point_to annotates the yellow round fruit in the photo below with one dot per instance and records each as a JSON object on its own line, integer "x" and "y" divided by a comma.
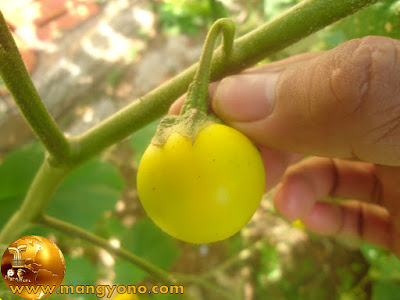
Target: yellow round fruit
{"x": 204, "y": 191}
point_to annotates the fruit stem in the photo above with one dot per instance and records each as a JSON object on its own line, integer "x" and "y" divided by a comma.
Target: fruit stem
{"x": 198, "y": 95}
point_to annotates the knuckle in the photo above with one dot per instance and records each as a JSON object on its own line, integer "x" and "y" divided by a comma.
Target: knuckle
{"x": 364, "y": 72}
{"x": 350, "y": 76}
{"x": 364, "y": 82}
{"x": 381, "y": 115}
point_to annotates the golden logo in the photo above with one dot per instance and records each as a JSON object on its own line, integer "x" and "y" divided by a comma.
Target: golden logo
{"x": 33, "y": 267}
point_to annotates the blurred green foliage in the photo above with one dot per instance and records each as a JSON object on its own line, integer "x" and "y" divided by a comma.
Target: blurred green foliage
{"x": 148, "y": 241}
{"x": 382, "y": 18}
{"x": 86, "y": 194}
{"x": 142, "y": 138}
{"x": 16, "y": 173}
{"x": 384, "y": 272}
{"x": 188, "y": 17}
{"x": 273, "y": 9}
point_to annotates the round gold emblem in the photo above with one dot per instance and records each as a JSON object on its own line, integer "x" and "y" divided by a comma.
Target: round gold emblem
{"x": 32, "y": 267}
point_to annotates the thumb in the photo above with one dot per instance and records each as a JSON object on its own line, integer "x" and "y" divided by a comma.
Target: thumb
{"x": 344, "y": 103}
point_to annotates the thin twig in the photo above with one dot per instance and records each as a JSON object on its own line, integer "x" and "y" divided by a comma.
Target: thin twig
{"x": 83, "y": 234}
{"x": 156, "y": 272}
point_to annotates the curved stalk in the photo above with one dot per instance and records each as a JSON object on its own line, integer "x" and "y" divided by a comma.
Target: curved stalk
{"x": 197, "y": 95}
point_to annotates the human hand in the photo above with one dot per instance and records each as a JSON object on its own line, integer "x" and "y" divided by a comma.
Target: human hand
{"x": 342, "y": 107}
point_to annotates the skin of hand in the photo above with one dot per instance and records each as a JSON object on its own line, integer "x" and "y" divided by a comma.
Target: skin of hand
{"x": 341, "y": 109}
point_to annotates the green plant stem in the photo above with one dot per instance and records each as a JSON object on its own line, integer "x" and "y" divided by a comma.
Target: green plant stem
{"x": 151, "y": 269}
{"x": 302, "y": 20}
{"x": 42, "y": 188}
{"x": 78, "y": 232}
{"x": 197, "y": 95}
{"x": 17, "y": 80}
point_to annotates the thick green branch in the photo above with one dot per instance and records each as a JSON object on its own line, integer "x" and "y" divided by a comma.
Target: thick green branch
{"x": 18, "y": 82}
{"x": 42, "y": 188}
{"x": 302, "y": 20}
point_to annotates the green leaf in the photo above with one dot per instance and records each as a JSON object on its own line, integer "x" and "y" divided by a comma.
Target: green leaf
{"x": 86, "y": 193}
{"x": 234, "y": 245}
{"x": 217, "y": 10}
{"x": 6, "y": 294}
{"x": 141, "y": 139}
{"x": 382, "y": 18}
{"x": 384, "y": 265}
{"x": 386, "y": 290}
{"x": 148, "y": 241}
{"x": 127, "y": 273}
{"x": 3, "y": 248}
{"x": 270, "y": 270}
{"x": 79, "y": 271}
{"x": 16, "y": 174}
{"x": 186, "y": 16}
{"x": 109, "y": 227}
{"x": 273, "y": 9}
{"x": 37, "y": 230}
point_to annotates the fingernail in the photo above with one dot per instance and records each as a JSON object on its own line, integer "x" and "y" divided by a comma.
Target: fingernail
{"x": 245, "y": 98}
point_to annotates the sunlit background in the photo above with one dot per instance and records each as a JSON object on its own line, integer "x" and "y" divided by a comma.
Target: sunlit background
{"x": 90, "y": 58}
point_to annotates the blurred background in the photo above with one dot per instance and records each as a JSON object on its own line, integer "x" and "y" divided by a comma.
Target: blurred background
{"x": 89, "y": 59}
